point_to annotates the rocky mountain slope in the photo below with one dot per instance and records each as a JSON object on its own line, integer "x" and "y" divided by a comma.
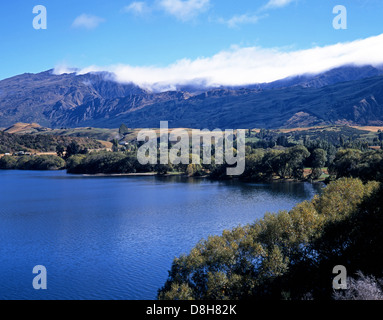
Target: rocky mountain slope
{"x": 352, "y": 95}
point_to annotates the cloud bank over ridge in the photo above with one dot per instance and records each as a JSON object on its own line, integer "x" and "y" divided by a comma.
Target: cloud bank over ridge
{"x": 243, "y": 66}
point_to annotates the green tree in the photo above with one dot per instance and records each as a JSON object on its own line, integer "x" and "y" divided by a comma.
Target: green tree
{"x": 318, "y": 161}
{"x": 115, "y": 145}
{"x": 346, "y": 163}
{"x": 282, "y": 252}
{"x": 123, "y": 130}
{"x": 194, "y": 170}
{"x": 8, "y": 162}
{"x": 291, "y": 162}
{"x": 163, "y": 169}
{"x": 72, "y": 149}
{"x": 60, "y": 150}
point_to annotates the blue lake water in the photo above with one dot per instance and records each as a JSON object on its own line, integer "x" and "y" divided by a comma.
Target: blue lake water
{"x": 116, "y": 237}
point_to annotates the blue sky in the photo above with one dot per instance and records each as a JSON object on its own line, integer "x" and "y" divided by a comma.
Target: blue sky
{"x": 158, "y": 33}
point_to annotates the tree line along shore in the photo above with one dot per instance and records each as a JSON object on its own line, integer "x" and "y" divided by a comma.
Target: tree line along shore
{"x": 324, "y": 156}
{"x": 286, "y": 255}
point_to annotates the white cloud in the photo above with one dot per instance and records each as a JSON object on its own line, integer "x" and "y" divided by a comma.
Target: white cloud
{"x": 62, "y": 68}
{"x": 252, "y": 18}
{"x": 242, "y": 66}
{"x": 138, "y": 7}
{"x": 184, "y": 9}
{"x": 278, "y": 3}
{"x": 237, "y": 20}
{"x": 87, "y": 21}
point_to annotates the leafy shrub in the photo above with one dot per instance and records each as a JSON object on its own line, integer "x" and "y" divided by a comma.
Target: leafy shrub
{"x": 44, "y": 162}
{"x": 281, "y": 253}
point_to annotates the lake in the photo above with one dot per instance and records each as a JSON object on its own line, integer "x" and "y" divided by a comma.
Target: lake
{"x": 116, "y": 237}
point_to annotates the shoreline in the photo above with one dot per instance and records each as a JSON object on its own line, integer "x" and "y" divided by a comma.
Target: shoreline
{"x": 182, "y": 175}
{"x": 114, "y": 174}
{"x": 154, "y": 174}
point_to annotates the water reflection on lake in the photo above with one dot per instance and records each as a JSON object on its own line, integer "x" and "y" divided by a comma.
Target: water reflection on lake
{"x": 115, "y": 237}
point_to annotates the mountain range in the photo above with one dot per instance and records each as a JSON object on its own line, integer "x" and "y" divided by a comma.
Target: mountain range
{"x": 346, "y": 95}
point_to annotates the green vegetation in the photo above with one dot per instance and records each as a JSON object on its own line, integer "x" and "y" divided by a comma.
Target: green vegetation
{"x": 88, "y": 132}
{"x": 10, "y": 143}
{"x": 266, "y": 164}
{"x": 285, "y": 255}
{"x": 44, "y": 162}
{"x": 354, "y": 163}
{"x": 313, "y": 154}
{"x": 288, "y": 255}
{"x": 104, "y": 162}
{"x": 123, "y": 130}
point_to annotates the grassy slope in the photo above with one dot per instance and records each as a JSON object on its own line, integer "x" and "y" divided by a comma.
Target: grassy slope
{"x": 104, "y": 135}
{"x": 35, "y": 143}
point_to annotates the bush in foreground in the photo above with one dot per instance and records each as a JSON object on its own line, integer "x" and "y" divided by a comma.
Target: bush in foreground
{"x": 287, "y": 255}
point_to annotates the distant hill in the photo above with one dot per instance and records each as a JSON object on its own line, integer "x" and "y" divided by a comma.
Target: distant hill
{"x": 333, "y": 76}
{"x": 346, "y": 95}
{"x": 355, "y": 103}
{"x": 24, "y": 128}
